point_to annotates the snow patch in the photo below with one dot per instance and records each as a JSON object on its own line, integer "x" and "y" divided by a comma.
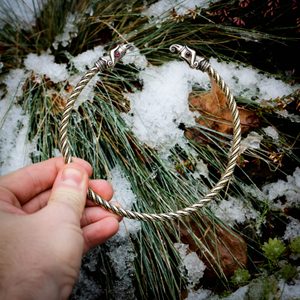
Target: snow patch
{"x": 239, "y": 294}
{"x": 70, "y": 31}
{"x": 56, "y": 152}
{"x": 13, "y": 81}
{"x": 201, "y": 169}
{"x": 122, "y": 188}
{"x": 271, "y": 132}
{"x": 249, "y": 83}
{"x": 251, "y": 141}
{"x": 124, "y": 196}
{"x": 14, "y": 146}
{"x": 44, "y": 65}
{"x": 122, "y": 258}
{"x": 121, "y": 252}
{"x": 87, "y": 59}
{"x": 233, "y": 211}
{"x": 292, "y": 229}
{"x": 289, "y": 291}
{"x": 160, "y": 10}
{"x": 133, "y": 56}
{"x": 292, "y": 117}
{"x": 191, "y": 263}
{"x": 162, "y": 105}
{"x": 82, "y": 62}
{"x": 200, "y": 294}
{"x": 290, "y": 189}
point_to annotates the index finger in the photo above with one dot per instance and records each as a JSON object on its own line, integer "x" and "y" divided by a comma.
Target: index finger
{"x": 32, "y": 180}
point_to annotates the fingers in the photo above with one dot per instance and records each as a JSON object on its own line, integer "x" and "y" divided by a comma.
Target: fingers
{"x": 37, "y": 203}
{"x": 101, "y": 187}
{"x": 97, "y": 233}
{"x": 98, "y": 224}
{"x": 9, "y": 203}
{"x": 68, "y": 196}
{"x": 94, "y": 214}
{"x": 8, "y": 197}
{"x": 30, "y": 181}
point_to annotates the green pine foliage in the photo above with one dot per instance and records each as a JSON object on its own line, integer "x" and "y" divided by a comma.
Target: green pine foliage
{"x": 100, "y": 135}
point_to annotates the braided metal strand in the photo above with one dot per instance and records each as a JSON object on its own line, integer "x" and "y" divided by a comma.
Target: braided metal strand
{"x": 64, "y": 144}
{"x": 195, "y": 62}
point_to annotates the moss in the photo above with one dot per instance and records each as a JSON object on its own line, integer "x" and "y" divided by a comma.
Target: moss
{"x": 288, "y": 272}
{"x": 240, "y": 277}
{"x": 273, "y": 249}
{"x": 295, "y": 245}
{"x": 263, "y": 288}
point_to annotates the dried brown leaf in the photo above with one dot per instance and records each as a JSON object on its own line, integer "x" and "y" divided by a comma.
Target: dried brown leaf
{"x": 215, "y": 113}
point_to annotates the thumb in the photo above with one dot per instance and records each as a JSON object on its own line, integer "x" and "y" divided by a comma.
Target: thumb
{"x": 68, "y": 196}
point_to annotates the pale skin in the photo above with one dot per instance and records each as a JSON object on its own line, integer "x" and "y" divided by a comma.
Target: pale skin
{"x": 46, "y": 225}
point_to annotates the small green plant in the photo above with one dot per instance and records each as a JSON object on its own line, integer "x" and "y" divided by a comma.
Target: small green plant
{"x": 295, "y": 245}
{"x": 264, "y": 287}
{"x": 288, "y": 272}
{"x": 273, "y": 250}
{"x": 240, "y": 277}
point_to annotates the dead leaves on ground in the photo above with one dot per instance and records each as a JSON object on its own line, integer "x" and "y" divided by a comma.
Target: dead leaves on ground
{"x": 215, "y": 113}
{"x": 221, "y": 246}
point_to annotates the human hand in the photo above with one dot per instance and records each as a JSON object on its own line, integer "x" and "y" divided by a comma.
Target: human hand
{"x": 46, "y": 226}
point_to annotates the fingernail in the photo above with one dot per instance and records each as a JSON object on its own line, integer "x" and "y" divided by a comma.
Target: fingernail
{"x": 72, "y": 177}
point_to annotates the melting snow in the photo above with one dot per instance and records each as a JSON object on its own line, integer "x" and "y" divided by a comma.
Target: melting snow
{"x": 82, "y": 62}
{"x": 201, "y": 169}
{"x": 160, "y": 10}
{"x": 124, "y": 196}
{"x": 133, "y": 56}
{"x": 122, "y": 258}
{"x": 251, "y": 141}
{"x": 200, "y": 294}
{"x": 233, "y": 210}
{"x": 121, "y": 248}
{"x": 70, "y": 31}
{"x": 13, "y": 81}
{"x": 14, "y": 147}
{"x": 87, "y": 59}
{"x": 292, "y": 229}
{"x": 156, "y": 113}
{"x": 162, "y": 105}
{"x": 191, "y": 263}
{"x": 271, "y": 132}
{"x": 290, "y": 291}
{"x": 44, "y": 65}
{"x": 239, "y": 294}
{"x": 290, "y": 189}
{"x": 250, "y": 83}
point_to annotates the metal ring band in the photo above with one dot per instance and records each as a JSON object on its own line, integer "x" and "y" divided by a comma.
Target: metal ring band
{"x": 195, "y": 62}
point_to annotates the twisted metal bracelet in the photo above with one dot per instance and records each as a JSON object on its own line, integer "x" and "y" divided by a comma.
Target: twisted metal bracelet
{"x": 195, "y": 62}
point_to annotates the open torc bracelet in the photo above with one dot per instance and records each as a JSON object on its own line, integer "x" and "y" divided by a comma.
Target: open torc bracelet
{"x": 195, "y": 62}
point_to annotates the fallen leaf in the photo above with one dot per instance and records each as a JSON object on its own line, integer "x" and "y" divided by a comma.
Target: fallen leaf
{"x": 215, "y": 113}
{"x": 222, "y": 247}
